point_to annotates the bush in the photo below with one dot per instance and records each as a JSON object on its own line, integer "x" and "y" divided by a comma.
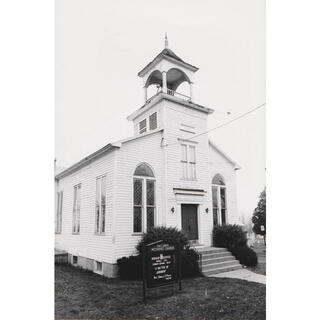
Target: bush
{"x": 169, "y": 235}
{"x": 245, "y": 255}
{"x": 130, "y": 268}
{"x": 228, "y": 236}
{"x": 189, "y": 263}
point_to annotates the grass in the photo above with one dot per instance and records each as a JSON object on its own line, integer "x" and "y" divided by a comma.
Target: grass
{"x": 260, "y": 249}
{"x": 83, "y": 295}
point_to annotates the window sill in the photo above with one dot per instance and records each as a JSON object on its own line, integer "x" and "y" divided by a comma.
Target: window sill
{"x": 137, "y": 234}
{"x": 99, "y": 234}
{"x": 76, "y": 233}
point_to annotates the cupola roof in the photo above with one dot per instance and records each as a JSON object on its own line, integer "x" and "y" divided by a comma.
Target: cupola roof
{"x": 168, "y": 54}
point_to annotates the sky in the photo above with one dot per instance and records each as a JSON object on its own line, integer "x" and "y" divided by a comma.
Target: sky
{"x": 101, "y": 45}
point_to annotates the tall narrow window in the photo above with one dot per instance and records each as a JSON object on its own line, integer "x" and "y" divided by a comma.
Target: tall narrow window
{"x": 76, "y": 209}
{"x": 188, "y": 161}
{"x": 215, "y": 206}
{"x": 100, "y": 223}
{"x": 137, "y": 205}
{"x": 58, "y": 224}
{"x": 150, "y": 203}
{"x": 153, "y": 121}
{"x": 219, "y": 200}
{"x": 144, "y": 207}
{"x": 143, "y": 126}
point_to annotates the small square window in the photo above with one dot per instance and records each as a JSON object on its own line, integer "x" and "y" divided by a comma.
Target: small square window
{"x": 74, "y": 260}
{"x": 98, "y": 267}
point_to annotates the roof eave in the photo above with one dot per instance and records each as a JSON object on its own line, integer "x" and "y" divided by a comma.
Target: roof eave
{"x": 151, "y": 64}
{"x": 78, "y": 165}
{"x": 235, "y": 165}
{"x": 161, "y": 95}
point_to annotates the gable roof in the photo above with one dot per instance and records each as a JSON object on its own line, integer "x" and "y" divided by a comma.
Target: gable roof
{"x": 224, "y": 155}
{"x": 102, "y": 151}
{"x": 169, "y": 54}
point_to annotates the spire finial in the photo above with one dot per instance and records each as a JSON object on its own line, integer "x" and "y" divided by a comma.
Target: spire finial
{"x": 166, "y": 44}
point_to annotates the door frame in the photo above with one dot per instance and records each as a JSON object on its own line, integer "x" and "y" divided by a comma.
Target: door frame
{"x": 198, "y": 217}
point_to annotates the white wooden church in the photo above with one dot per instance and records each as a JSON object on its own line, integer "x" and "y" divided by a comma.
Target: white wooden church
{"x": 168, "y": 173}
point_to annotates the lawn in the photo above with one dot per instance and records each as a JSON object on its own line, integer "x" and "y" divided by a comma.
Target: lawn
{"x": 83, "y": 295}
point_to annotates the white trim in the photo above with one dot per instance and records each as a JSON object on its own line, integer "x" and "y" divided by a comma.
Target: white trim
{"x": 223, "y": 154}
{"x": 187, "y": 141}
{"x": 159, "y": 96}
{"x": 188, "y": 192}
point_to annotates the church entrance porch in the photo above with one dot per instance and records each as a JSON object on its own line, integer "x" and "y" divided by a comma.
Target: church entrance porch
{"x": 189, "y": 221}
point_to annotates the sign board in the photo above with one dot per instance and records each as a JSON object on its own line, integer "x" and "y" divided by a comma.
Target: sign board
{"x": 161, "y": 266}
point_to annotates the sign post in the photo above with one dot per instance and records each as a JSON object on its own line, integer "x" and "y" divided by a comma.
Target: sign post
{"x": 161, "y": 266}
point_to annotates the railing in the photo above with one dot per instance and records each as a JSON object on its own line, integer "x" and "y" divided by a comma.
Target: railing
{"x": 177, "y": 94}
{"x": 171, "y": 93}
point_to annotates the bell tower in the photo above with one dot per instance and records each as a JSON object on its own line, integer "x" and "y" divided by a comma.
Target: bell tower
{"x": 168, "y": 72}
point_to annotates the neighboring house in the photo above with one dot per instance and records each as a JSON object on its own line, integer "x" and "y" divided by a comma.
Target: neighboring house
{"x": 167, "y": 174}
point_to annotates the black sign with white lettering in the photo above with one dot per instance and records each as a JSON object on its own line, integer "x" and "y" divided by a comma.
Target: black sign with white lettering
{"x": 161, "y": 266}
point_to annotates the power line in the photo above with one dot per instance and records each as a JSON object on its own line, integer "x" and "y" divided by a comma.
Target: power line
{"x": 222, "y": 125}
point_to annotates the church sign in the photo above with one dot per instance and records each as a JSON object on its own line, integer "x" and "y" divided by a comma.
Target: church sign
{"x": 160, "y": 266}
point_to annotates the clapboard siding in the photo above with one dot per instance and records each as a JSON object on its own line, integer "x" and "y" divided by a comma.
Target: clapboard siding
{"x": 87, "y": 243}
{"x": 132, "y": 153}
{"x": 175, "y": 116}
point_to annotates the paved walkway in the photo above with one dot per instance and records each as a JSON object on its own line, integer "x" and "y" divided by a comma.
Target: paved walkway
{"x": 243, "y": 274}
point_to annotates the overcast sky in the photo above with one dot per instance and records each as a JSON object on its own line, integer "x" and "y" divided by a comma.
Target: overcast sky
{"x": 101, "y": 45}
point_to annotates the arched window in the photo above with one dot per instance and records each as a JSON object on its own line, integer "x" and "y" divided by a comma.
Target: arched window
{"x": 144, "y": 205}
{"x": 218, "y": 180}
{"x": 219, "y": 200}
{"x": 144, "y": 170}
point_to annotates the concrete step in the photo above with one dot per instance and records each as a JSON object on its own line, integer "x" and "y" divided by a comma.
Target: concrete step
{"x": 213, "y": 271}
{"x": 206, "y": 250}
{"x": 205, "y": 261}
{"x": 216, "y": 255}
{"x": 218, "y": 265}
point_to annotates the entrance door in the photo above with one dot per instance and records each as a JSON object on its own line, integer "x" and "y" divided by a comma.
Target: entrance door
{"x": 189, "y": 220}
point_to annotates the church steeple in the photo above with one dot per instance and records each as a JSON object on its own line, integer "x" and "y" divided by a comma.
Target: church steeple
{"x": 168, "y": 71}
{"x": 166, "y": 43}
